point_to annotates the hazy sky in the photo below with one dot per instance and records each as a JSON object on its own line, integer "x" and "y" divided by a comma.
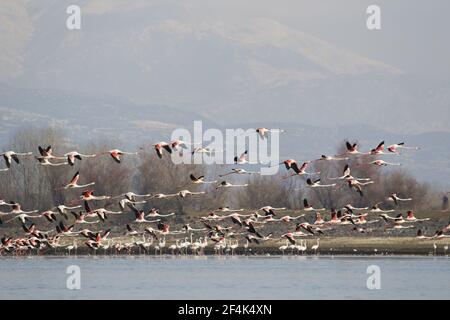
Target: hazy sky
{"x": 217, "y": 57}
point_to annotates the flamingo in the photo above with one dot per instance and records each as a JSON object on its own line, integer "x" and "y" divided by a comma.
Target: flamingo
{"x": 4, "y": 203}
{"x": 352, "y": 184}
{"x": 352, "y": 208}
{"x": 290, "y": 218}
{"x": 132, "y": 196}
{"x": 47, "y": 153}
{"x": 71, "y": 247}
{"x": 155, "y": 213}
{"x": 131, "y": 232}
{"x": 63, "y": 208}
{"x": 242, "y": 159}
{"x": 73, "y": 184}
{"x": 175, "y": 144}
{"x": 46, "y": 162}
{"x": 88, "y": 195}
{"x": 308, "y": 227}
{"x": 303, "y": 246}
{"x": 401, "y": 145}
{"x": 212, "y": 216}
{"x": 185, "y": 193}
{"x": 269, "y": 210}
{"x": 411, "y": 218}
{"x": 9, "y": 156}
{"x": 440, "y": 235}
{"x": 80, "y": 218}
{"x": 160, "y": 146}
{"x": 420, "y": 235}
{"x": 316, "y": 246}
{"x": 206, "y": 150}
{"x": 289, "y": 164}
{"x": 162, "y": 195}
{"x": 300, "y": 171}
{"x": 100, "y": 212}
{"x": 238, "y": 171}
{"x": 163, "y": 228}
{"x": 308, "y": 207}
{"x": 378, "y": 150}
{"x": 187, "y": 228}
{"x": 346, "y": 175}
{"x": 116, "y": 154}
{"x": 225, "y": 184}
{"x": 316, "y": 184}
{"x": 284, "y": 247}
{"x": 382, "y": 163}
{"x": 140, "y": 215}
{"x": 397, "y": 219}
{"x": 124, "y": 202}
{"x": 396, "y": 199}
{"x": 330, "y": 158}
{"x": 352, "y": 149}
{"x": 376, "y": 208}
{"x": 71, "y": 156}
{"x": 66, "y": 230}
{"x": 49, "y": 215}
{"x": 92, "y": 245}
{"x": 174, "y": 246}
{"x": 398, "y": 226}
{"x": 263, "y": 131}
{"x": 200, "y": 179}
{"x": 23, "y": 217}
{"x": 227, "y": 209}
{"x": 319, "y": 219}
{"x": 17, "y": 209}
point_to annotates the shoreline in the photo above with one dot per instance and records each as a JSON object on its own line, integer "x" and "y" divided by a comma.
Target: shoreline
{"x": 352, "y": 246}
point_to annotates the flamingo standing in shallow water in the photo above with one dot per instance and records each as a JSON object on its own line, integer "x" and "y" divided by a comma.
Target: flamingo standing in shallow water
{"x": 316, "y": 246}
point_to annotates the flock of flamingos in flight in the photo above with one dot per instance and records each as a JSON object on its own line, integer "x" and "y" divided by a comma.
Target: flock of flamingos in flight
{"x": 223, "y": 230}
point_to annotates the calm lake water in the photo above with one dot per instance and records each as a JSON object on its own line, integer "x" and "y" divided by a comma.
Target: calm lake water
{"x": 319, "y": 277}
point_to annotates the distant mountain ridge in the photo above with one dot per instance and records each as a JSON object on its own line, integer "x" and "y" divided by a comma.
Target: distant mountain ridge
{"x": 161, "y": 54}
{"x": 92, "y": 117}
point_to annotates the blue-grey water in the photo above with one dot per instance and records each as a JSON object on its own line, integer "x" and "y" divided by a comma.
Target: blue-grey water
{"x": 149, "y": 277}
